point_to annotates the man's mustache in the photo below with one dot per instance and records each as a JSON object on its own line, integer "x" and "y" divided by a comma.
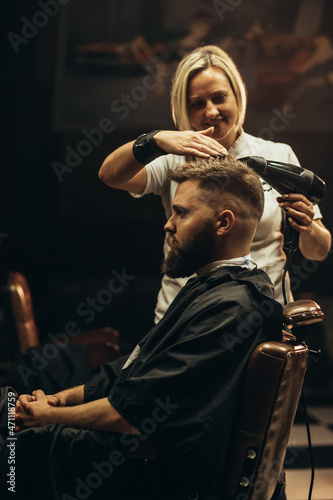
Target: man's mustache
{"x": 172, "y": 242}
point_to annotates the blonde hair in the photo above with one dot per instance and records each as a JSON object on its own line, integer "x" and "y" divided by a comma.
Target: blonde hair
{"x": 194, "y": 62}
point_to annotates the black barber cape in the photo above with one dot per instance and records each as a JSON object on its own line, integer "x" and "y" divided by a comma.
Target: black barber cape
{"x": 181, "y": 384}
{"x": 180, "y": 387}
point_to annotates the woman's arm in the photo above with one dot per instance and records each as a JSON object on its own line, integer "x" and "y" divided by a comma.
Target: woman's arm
{"x": 122, "y": 171}
{"x": 315, "y": 244}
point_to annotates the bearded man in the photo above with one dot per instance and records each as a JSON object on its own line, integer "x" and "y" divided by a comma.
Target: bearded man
{"x": 180, "y": 386}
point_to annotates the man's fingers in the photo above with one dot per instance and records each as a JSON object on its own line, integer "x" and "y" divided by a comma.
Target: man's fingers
{"x": 24, "y": 401}
{"x": 39, "y": 394}
{"x": 53, "y": 400}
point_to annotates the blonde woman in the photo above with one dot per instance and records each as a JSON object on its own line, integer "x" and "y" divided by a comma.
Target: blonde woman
{"x": 208, "y": 100}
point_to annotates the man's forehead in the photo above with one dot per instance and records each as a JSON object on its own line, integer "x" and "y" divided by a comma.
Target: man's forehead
{"x": 187, "y": 191}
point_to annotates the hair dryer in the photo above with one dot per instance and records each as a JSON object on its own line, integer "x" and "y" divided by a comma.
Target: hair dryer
{"x": 287, "y": 178}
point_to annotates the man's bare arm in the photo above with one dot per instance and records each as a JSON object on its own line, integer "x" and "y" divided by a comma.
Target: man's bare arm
{"x": 100, "y": 415}
{"x": 68, "y": 397}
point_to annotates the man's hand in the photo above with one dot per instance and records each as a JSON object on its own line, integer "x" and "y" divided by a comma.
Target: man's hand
{"x": 36, "y": 411}
{"x": 32, "y": 411}
{"x": 24, "y": 401}
{"x": 54, "y": 400}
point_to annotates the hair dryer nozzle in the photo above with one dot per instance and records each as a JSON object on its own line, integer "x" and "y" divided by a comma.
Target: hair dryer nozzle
{"x": 257, "y": 163}
{"x": 287, "y": 178}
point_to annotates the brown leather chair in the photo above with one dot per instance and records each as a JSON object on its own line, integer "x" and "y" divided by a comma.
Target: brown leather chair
{"x": 102, "y": 343}
{"x": 271, "y": 391}
{"x": 270, "y": 396}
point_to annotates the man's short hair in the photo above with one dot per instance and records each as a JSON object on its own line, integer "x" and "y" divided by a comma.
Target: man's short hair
{"x": 226, "y": 183}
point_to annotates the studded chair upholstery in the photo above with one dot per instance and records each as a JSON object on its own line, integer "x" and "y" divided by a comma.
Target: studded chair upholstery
{"x": 270, "y": 396}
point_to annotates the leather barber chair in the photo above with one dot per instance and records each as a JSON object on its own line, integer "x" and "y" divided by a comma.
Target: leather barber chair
{"x": 270, "y": 396}
{"x": 102, "y": 344}
{"x": 269, "y": 400}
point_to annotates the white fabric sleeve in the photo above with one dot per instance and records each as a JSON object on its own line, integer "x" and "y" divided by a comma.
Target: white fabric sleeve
{"x": 157, "y": 174}
{"x": 292, "y": 158}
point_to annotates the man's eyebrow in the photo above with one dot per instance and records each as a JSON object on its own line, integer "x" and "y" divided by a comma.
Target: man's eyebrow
{"x": 176, "y": 207}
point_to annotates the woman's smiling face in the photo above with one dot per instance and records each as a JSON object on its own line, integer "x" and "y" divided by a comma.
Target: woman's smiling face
{"x": 212, "y": 102}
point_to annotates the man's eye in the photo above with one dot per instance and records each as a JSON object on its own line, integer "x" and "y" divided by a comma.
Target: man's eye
{"x": 181, "y": 213}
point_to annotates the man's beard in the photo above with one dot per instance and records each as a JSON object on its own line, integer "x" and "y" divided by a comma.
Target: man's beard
{"x": 195, "y": 252}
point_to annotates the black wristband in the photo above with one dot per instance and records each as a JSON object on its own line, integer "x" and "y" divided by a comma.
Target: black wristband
{"x": 145, "y": 148}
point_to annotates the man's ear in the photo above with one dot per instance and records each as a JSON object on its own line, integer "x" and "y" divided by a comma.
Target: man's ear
{"x": 225, "y": 222}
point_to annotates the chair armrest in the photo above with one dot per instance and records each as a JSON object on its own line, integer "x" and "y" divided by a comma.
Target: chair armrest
{"x": 97, "y": 336}
{"x": 102, "y": 345}
{"x": 302, "y": 312}
{"x": 102, "y": 353}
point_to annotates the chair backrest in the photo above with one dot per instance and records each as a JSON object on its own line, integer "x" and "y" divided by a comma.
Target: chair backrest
{"x": 21, "y": 301}
{"x": 102, "y": 343}
{"x": 270, "y": 396}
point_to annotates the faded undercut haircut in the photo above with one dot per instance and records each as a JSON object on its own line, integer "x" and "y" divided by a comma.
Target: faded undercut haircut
{"x": 226, "y": 183}
{"x": 192, "y": 64}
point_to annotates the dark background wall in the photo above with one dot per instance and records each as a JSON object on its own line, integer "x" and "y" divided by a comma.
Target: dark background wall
{"x": 67, "y": 237}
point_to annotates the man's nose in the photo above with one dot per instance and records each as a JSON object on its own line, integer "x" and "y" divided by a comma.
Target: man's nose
{"x": 170, "y": 226}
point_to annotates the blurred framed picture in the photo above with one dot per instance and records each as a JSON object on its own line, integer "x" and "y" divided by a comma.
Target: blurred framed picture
{"x": 116, "y": 59}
